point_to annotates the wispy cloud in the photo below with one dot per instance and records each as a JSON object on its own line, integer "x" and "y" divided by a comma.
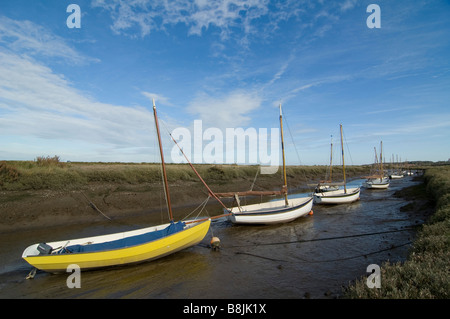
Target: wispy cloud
{"x": 159, "y": 98}
{"x": 197, "y": 15}
{"x": 348, "y": 4}
{"x": 36, "y": 102}
{"x": 228, "y": 110}
{"x": 394, "y": 109}
{"x": 26, "y": 37}
{"x": 257, "y": 18}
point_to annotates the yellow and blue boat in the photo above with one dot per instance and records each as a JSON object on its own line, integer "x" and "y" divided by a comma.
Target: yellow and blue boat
{"x": 120, "y": 248}
{"x": 116, "y": 249}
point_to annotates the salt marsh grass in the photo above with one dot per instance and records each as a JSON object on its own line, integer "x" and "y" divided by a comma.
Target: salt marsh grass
{"x": 425, "y": 274}
{"x": 51, "y": 173}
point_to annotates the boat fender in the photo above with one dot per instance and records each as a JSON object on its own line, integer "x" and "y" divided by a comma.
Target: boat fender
{"x": 215, "y": 243}
{"x": 311, "y": 212}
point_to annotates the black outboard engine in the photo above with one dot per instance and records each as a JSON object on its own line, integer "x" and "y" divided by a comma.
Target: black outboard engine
{"x": 44, "y": 249}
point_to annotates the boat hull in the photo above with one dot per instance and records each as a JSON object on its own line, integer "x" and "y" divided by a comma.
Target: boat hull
{"x": 337, "y": 197}
{"x": 274, "y": 212}
{"x": 377, "y": 184}
{"x": 189, "y": 236}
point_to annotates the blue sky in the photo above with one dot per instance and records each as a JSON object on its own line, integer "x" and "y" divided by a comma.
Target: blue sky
{"x": 84, "y": 94}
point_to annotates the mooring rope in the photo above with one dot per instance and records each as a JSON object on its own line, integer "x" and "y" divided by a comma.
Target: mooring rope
{"x": 410, "y": 227}
{"x": 329, "y": 260}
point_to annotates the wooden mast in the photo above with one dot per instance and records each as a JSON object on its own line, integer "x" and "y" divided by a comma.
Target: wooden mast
{"x": 166, "y": 187}
{"x": 284, "y": 161}
{"x": 381, "y": 161}
{"x": 343, "y": 163}
{"x": 331, "y": 160}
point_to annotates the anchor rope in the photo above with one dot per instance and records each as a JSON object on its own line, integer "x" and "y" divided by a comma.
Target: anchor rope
{"x": 407, "y": 228}
{"x": 329, "y": 260}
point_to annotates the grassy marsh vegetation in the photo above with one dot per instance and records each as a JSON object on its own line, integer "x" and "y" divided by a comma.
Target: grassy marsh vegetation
{"x": 50, "y": 173}
{"x": 426, "y": 272}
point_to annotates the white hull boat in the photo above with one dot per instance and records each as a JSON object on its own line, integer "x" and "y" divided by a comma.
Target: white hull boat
{"x": 377, "y": 180}
{"x": 271, "y": 212}
{"x": 377, "y": 183}
{"x": 274, "y": 212}
{"x": 337, "y": 197}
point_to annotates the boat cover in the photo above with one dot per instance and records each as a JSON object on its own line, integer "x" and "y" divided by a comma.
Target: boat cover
{"x": 125, "y": 242}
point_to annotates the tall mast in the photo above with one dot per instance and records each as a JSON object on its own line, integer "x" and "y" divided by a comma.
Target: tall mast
{"x": 381, "y": 161}
{"x": 284, "y": 161}
{"x": 343, "y": 163}
{"x": 376, "y": 158}
{"x": 166, "y": 187}
{"x": 331, "y": 160}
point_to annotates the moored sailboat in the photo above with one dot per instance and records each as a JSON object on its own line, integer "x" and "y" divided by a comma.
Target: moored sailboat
{"x": 377, "y": 180}
{"x": 272, "y": 212}
{"x": 327, "y": 185}
{"x": 339, "y": 196}
{"x": 119, "y": 248}
{"x": 396, "y": 171}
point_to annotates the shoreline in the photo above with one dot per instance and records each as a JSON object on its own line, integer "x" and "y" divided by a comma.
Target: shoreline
{"x": 108, "y": 197}
{"x": 37, "y": 196}
{"x": 34, "y": 209}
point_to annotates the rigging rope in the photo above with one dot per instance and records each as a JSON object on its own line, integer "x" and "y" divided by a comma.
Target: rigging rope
{"x": 195, "y": 171}
{"x": 203, "y": 204}
{"x": 295, "y": 147}
{"x": 348, "y": 149}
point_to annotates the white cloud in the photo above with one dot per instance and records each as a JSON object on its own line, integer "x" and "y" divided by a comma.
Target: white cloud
{"x": 348, "y": 5}
{"x": 30, "y": 38}
{"x": 37, "y": 103}
{"x": 230, "y": 110}
{"x": 159, "y": 98}
{"x": 198, "y": 15}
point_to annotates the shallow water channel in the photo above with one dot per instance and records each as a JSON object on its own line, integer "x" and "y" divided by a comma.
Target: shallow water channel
{"x": 304, "y": 258}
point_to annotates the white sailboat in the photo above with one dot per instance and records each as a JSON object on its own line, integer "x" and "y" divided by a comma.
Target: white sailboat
{"x": 339, "y": 196}
{"x": 327, "y": 185}
{"x": 119, "y": 248}
{"x": 377, "y": 180}
{"x": 397, "y": 173}
{"x": 273, "y": 212}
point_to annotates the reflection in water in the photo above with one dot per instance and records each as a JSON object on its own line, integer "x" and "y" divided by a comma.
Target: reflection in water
{"x": 279, "y": 261}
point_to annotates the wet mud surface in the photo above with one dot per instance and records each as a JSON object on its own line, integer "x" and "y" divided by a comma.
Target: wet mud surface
{"x": 311, "y": 257}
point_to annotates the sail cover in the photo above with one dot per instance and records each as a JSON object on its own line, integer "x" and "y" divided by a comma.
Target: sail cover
{"x": 125, "y": 242}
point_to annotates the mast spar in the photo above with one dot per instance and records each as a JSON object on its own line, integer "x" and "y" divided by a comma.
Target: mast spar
{"x": 381, "y": 161}
{"x": 331, "y": 159}
{"x": 343, "y": 163}
{"x": 284, "y": 161}
{"x": 166, "y": 187}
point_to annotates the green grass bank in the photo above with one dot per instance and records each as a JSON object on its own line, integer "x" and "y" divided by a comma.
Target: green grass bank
{"x": 426, "y": 272}
{"x": 51, "y": 174}
{"x": 47, "y": 192}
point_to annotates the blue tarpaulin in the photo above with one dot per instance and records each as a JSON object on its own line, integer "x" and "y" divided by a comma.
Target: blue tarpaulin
{"x": 126, "y": 242}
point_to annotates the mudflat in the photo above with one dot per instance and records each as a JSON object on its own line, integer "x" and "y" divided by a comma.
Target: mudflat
{"x": 34, "y": 194}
